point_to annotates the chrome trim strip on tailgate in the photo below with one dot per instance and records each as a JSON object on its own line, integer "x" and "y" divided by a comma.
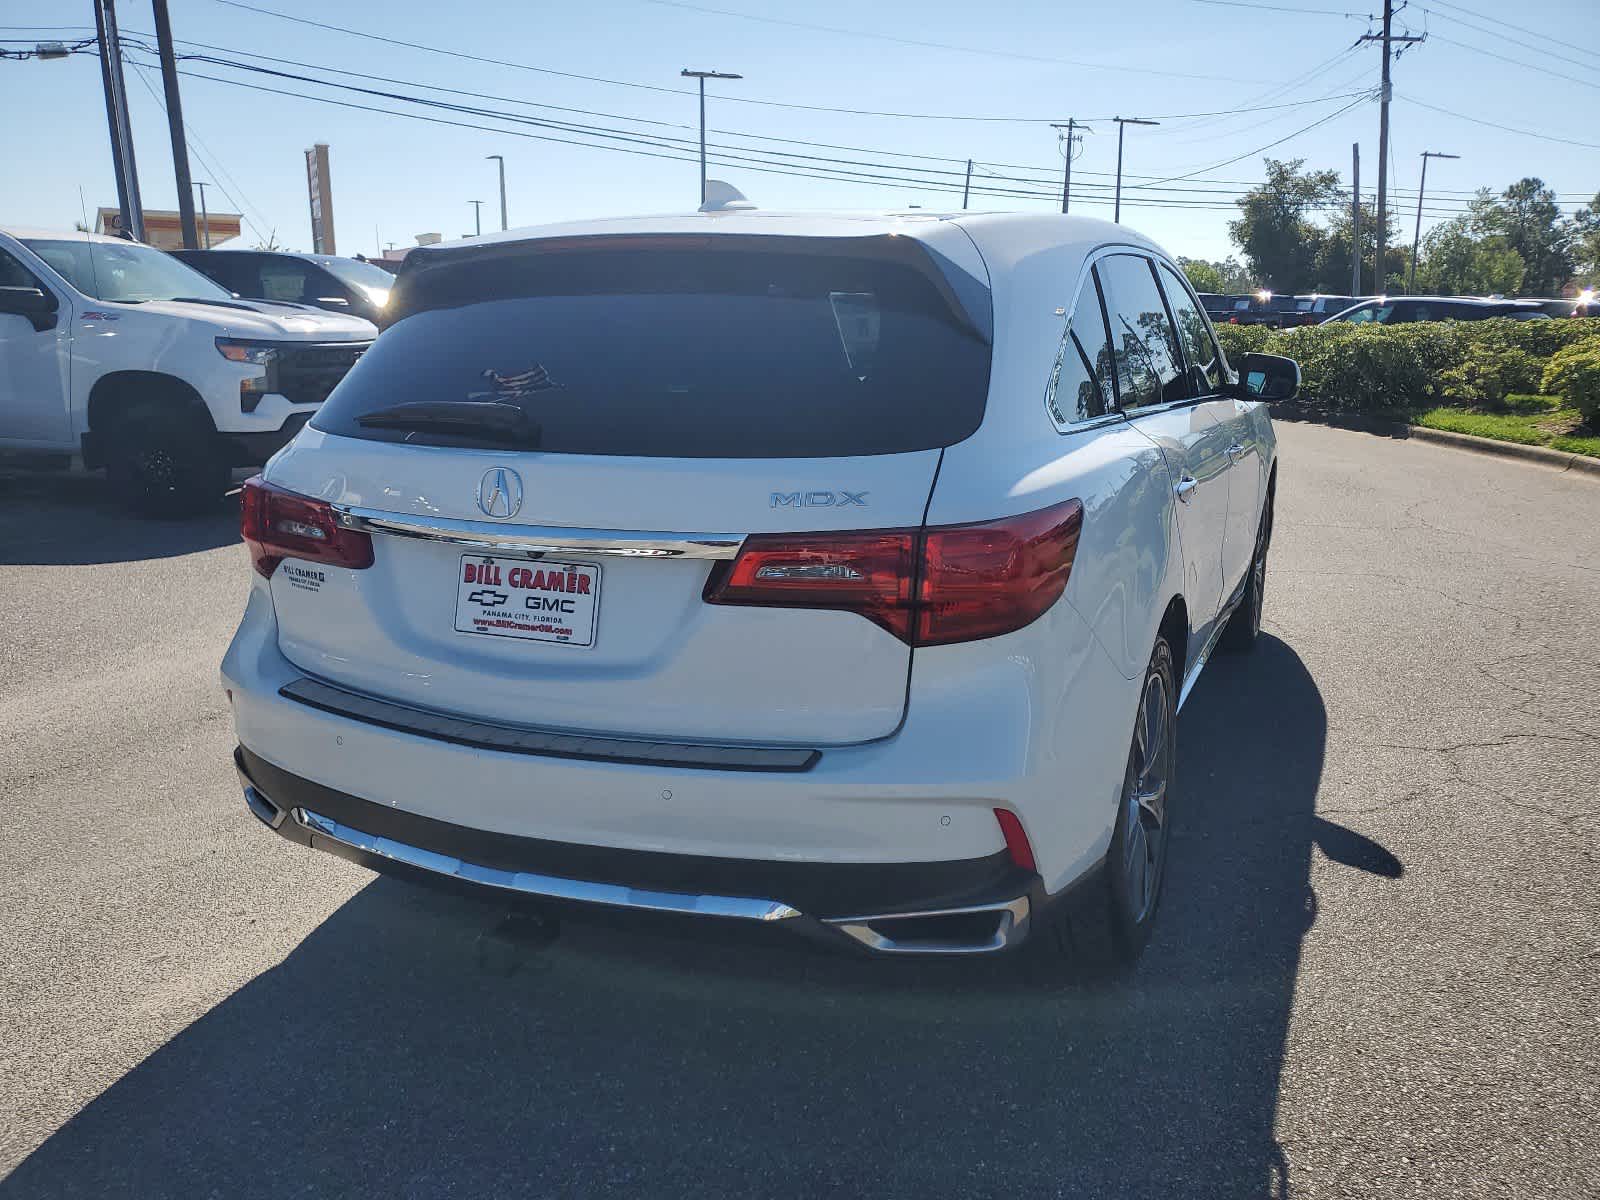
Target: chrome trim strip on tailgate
{"x": 515, "y": 739}
{"x": 540, "y": 539}
{"x": 553, "y": 887}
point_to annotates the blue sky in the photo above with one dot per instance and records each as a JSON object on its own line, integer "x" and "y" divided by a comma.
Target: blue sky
{"x": 1040, "y": 61}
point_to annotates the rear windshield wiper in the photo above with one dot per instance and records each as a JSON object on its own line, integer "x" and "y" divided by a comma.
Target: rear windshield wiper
{"x": 467, "y": 418}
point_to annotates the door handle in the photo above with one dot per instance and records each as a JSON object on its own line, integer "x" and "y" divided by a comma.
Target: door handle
{"x": 1236, "y": 451}
{"x": 1185, "y": 487}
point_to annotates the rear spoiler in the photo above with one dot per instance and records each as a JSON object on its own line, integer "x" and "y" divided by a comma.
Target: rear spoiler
{"x": 449, "y": 277}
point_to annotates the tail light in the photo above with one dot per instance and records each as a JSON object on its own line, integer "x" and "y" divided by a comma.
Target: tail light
{"x": 278, "y": 524}
{"x": 928, "y": 587}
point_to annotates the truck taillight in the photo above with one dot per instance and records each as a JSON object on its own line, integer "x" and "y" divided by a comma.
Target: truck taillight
{"x": 928, "y": 587}
{"x": 277, "y": 524}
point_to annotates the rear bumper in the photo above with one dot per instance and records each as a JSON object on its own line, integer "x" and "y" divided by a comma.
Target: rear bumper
{"x": 955, "y": 907}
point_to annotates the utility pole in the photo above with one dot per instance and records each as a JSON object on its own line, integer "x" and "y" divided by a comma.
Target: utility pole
{"x": 180, "y": 145}
{"x": 205, "y": 217}
{"x": 1123, "y": 123}
{"x": 1355, "y": 218}
{"x": 1416, "y": 238}
{"x": 132, "y": 209}
{"x": 702, "y": 76}
{"x": 966, "y": 188}
{"x": 1071, "y": 142}
{"x": 500, "y": 158}
{"x": 477, "y": 217}
{"x": 1386, "y": 93}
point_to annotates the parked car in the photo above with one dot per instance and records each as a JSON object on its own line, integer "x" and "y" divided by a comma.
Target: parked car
{"x": 346, "y": 285}
{"x": 1403, "y": 310}
{"x": 839, "y": 575}
{"x": 1253, "y": 308}
{"x": 1215, "y": 304}
{"x": 120, "y": 352}
{"x": 1294, "y": 311}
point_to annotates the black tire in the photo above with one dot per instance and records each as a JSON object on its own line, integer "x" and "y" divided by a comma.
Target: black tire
{"x": 1108, "y": 923}
{"x": 164, "y": 462}
{"x": 1244, "y": 626}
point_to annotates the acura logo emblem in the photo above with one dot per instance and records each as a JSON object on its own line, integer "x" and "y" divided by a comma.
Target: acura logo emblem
{"x": 500, "y": 493}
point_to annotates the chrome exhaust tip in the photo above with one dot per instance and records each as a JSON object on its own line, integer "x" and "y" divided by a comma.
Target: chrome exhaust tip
{"x": 264, "y": 810}
{"x": 976, "y": 929}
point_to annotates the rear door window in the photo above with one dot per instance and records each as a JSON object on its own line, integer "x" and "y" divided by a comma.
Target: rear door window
{"x": 283, "y": 279}
{"x": 1080, "y": 382}
{"x": 1149, "y": 365}
{"x": 1201, "y": 357}
{"x": 681, "y": 353}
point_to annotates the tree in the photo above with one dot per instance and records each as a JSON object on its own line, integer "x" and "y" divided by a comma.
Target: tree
{"x": 1281, "y": 243}
{"x": 1457, "y": 260}
{"x": 270, "y": 243}
{"x": 1202, "y": 275}
{"x": 1527, "y": 218}
{"x": 1584, "y": 231}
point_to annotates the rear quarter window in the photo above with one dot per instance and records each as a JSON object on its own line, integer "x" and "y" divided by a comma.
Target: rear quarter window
{"x": 691, "y": 353}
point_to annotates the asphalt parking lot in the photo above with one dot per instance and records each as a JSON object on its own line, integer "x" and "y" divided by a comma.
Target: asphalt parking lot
{"x": 1377, "y": 972}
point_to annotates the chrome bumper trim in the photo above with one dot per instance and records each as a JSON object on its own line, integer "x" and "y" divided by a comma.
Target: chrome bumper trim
{"x": 550, "y": 887}
{"x": 536, "y": 540}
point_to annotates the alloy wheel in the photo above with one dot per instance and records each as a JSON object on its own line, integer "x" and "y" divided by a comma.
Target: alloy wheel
{"x": 1145, "y": 809}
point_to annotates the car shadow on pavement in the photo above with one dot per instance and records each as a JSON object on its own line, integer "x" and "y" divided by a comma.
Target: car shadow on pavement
{"x": 393, "y": 1054}
{"x": 74, "y": 520}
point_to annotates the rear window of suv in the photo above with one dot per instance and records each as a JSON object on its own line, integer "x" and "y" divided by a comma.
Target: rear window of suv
{"x": 681, "y": 353}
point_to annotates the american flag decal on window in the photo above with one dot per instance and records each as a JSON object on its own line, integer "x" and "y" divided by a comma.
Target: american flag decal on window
{"x": 516, "y": 387}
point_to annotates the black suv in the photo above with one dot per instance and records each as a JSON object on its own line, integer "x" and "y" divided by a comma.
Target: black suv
{"x": 1403, "y": 310}
{"x": 347, "y": 285}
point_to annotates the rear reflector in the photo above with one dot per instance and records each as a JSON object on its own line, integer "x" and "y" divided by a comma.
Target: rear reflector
{"x": 1017, "y": 844}
{"x": 928, "y": 587}
{"x": 278, "y": 524}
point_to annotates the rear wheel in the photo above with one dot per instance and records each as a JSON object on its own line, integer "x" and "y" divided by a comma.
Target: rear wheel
{"x": 163, "y": 462}
{"x": 1111, "y": 922}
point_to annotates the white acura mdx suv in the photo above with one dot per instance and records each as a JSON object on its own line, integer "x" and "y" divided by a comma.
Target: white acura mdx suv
{"x": 842, "y": 574}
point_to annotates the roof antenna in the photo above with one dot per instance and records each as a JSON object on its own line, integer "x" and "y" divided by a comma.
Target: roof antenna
{"x": 88, "y": 239}
{"x": 723, "y": 197}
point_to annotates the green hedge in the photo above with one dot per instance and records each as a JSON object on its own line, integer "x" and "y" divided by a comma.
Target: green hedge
{"x": 1371, "y": 368}
{"x": 1573, "y": 373}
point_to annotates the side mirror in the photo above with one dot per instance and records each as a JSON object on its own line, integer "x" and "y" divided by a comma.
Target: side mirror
{"x": 1268, "y": 377}
{"x": 38, "y": 305}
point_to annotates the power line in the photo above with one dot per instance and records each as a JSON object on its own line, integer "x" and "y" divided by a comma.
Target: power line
{"x": 649, "y": 87}
{"x": 1045, "y": 173}
{"x": 1307, "y": 12}
{"x": 1537, "y": 49}
{"x": 1505, "y": 128}
{"x": 1270, "y": 145}
{"x": 209, "y": 162}
{"x": 1560, "y": 41}
{"x": 1516, "y": 62}
{"x": 929, "y": 45}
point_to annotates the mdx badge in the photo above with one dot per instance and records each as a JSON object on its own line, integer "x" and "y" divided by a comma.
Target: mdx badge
{"x": 839, "y": 499}
{"x": 500, "y": 493}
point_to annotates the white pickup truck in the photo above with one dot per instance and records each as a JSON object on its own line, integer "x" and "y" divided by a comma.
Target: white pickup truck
{"x": 121, "y": 353}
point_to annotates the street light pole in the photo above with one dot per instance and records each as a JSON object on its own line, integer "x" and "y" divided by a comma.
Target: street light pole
{"x": 1122, "y": 124}
{"x": 702, "y": 76}
{"x": 477, "y": 217}
{"x": 500, "y": 158}
{"x": 1416, "y": 238}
